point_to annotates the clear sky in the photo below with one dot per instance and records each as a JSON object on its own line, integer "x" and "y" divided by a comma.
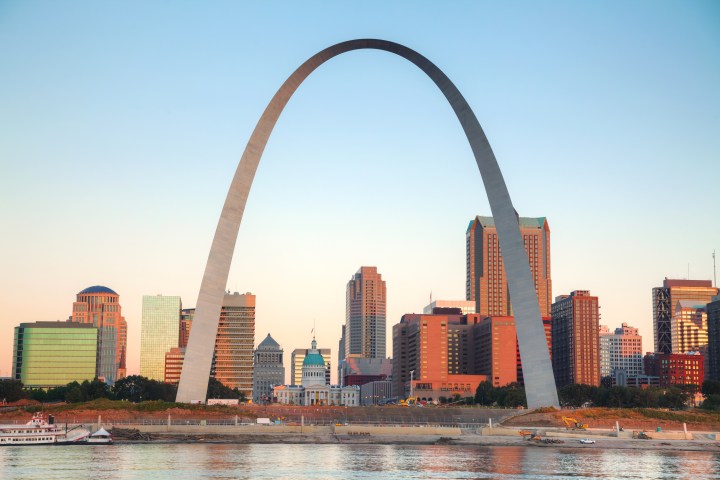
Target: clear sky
{"x": 121, "y": 125}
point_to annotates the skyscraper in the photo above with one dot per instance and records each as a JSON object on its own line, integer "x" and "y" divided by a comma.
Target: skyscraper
{"x": 575, "y": 339}
{"x": 486, "y": 283}
{"x": 235, "y": 341}
{"x": 665, "y": 301}
{"x": 713, "y": 324}
{"x": 100, "y": 307}
{"x": 160, "y": 331}
{"x": 268, "y": 370}
{"x": 688, "y": 327}
{"x": 233, "y": 355}
{"x": 620, "y": 350}
{"x": 365, "y": 314}
{"x": 53, "y": 354}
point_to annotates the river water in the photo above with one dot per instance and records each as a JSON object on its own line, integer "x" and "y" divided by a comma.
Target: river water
{"x": 319, "y": 462}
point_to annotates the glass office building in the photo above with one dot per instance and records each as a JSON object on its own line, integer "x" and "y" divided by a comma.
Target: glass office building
{"x": 160, "y": 332}
{"x": 51, "y": 354}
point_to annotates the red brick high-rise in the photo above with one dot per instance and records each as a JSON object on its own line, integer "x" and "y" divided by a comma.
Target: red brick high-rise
{"x": 575, "y": 339}
{"x": 486, "y": 282}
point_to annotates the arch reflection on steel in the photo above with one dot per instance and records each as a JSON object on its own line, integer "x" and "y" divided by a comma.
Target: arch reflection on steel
{"x": 538, "y": 375}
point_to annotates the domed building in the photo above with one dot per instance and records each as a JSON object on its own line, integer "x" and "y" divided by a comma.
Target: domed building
{"x": 313, "y": 367}
{"x": 100, "y": 307}
{"x": 313, "y": 390}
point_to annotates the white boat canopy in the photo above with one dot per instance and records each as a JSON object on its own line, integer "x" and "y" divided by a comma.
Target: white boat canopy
{"x": 101, "y": 433}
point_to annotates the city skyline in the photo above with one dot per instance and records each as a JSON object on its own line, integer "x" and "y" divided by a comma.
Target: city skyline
{"x": 595, "y": 124}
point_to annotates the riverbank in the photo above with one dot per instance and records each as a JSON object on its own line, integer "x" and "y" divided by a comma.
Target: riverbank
{"x": 364, "y": 434}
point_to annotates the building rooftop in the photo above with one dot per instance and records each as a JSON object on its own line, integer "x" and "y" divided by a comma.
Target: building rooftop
{"x": 671, "y": 282}
{"x": 99, "y": 289}
{"x": 269, "y": 342}
{"x": 527, "y": 222}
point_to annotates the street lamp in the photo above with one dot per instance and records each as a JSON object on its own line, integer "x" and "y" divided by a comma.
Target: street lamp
{"x": 412, "y": 372}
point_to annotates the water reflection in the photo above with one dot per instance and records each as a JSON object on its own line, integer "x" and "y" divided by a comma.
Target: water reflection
{"x": 331, "y": 461}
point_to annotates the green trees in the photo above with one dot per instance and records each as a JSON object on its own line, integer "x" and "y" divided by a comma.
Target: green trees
{"x": 216, "y": 389}
{"x": 711, "y": 392}
{"x": 134, "y": 388}
{"x": 510, "y": 396}
{"x": 11, "y": 390}
{"x": 577, "y": 396}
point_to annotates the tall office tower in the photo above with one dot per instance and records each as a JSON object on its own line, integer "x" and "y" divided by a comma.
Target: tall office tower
{"x": 235, "y": 342}
{"x": 486, "y": 283}
{"x": 365, "y": 314}
{"x": 713, "y": 329}
{"x": 159, "y": 333}
{"x": 268, "y": 370}
{"x": 100, "y": 307}
{"x": 433, "y": 355}
{"x": 620, "y": 351}
{"x": 174, "y": 359}
{"x": 575, "y": 339}
{"x": 53, "y": 354}
{"x": 186, "y": 318}
{"x": 665, "y": 301}
{"x": 341, "y": 354}
{"x": 296, "y": 361}
{"x": 688, "y": 327}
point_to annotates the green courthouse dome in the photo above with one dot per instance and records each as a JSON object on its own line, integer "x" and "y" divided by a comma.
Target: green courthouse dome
{"x": 313, "y": 357}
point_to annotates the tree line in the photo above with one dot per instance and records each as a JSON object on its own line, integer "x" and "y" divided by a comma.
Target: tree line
{"x": 675, "y": 397}
{"x": 134, "y": 388}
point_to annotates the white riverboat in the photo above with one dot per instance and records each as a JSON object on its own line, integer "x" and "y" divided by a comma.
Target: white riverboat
{"x": 38, "y": 431}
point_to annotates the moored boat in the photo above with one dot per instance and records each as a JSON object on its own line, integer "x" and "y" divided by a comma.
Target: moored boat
{"x": 101, "y": 437}
{"x": 39, "y": 431}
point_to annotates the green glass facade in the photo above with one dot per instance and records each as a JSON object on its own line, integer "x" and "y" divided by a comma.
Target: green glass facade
{"x": 51, "y": 354}
{"x": 160, "y": 332}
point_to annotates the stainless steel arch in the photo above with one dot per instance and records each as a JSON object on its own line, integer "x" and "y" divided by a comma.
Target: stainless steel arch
{"x": 538, "y": 375}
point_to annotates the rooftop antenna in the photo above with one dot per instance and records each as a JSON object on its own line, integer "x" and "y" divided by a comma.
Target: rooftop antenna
{"x": 714, "y": 271}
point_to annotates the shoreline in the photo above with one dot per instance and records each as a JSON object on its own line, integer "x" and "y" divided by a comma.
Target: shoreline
{"x": 464, "y": 439}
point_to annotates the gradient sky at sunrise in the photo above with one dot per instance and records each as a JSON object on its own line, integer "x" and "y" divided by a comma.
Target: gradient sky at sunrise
{"x": 121, "y": 125}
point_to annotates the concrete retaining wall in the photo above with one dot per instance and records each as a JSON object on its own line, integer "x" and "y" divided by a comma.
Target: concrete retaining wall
{"x": 231, "y": 429}
{"x": 292, "y": 429}
{"x": 395, "y": 430}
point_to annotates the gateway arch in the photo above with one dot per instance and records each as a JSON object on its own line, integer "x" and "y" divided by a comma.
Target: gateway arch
{"x": 539, "y": 380}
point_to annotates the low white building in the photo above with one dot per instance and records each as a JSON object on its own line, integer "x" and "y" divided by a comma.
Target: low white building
{"x": 314, "y": 390}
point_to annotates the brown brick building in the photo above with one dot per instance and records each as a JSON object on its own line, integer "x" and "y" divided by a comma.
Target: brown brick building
{"x": 575, "y": 339}
{"x": 450, "y": 353}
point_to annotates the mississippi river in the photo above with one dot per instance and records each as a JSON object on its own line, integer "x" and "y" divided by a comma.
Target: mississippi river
{"x": 318, "y": 462}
